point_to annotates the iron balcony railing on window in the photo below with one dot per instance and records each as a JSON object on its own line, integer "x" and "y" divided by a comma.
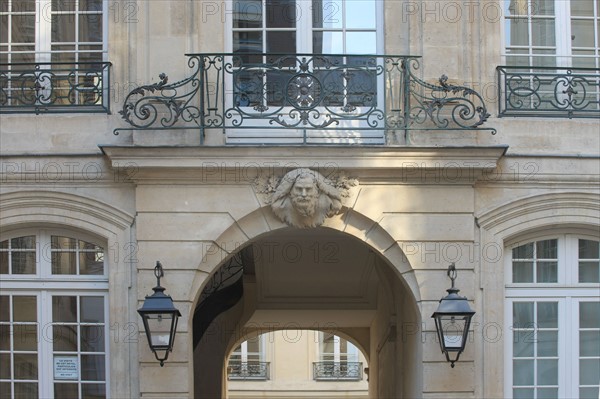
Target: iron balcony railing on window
{"x": 549, "y": 92}
{"x": 248, "y": 371}
{"x": 36, "y": 88}
{"x": 347, "y": 371}
{"x": 314, "y": 95}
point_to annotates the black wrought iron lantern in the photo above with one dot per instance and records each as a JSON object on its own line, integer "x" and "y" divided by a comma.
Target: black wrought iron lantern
{"x": 160, "y": 319}
{"x": 452, "y": 320}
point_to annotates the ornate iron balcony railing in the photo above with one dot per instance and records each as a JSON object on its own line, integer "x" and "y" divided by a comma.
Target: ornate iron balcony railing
{"x": 313, "y": 95}
{"x": 58, "y": 87}
{"x": 549, "y": 92}
{"x": 348, "y": 371}
{"x": 248, "y": 371}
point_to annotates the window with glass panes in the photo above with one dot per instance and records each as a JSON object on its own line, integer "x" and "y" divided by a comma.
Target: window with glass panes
{"x": 290, "y": 27}
{"x": 553, "y": 318}
{"x": 52, "y": 31}
{"x": 53, "y": 316}
{"x": 548, "y": 33}
{"x": 250, "y": 351}
{"x": 335, "y": 349}
{"x": 65, "y": 37}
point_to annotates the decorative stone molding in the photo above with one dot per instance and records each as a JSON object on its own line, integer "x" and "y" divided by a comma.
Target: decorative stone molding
{"x": 304, "y": 198}
{"x": 39, "y": 206}
{"x": 541, "y": 211}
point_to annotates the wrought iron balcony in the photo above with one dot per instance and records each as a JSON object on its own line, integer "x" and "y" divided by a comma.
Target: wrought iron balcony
{"x": 303, "y": 98}
{"x": 549, "y": 92}
{"x": 258, "y": 371}
{"x": 347, "y": 371}
{"x": 36, "y": 88}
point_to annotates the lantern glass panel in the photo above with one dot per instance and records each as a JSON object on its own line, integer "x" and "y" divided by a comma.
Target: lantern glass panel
{"x": 453, "y": 331}
{"x": 159, "y": 326}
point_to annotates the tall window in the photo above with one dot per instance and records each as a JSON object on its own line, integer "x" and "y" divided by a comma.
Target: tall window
{"x": 247, "y": 362}
{"x": 52, "y": 31}
{"x": 302, "y": 63}
{"x": 305, "y": 26}
{"x": 338, "y": 360}
{"x": 553, "y": 318}
{"x": 52, "y": 55}
{"x": 53, "y": 316}
{"x": 552, "y": 33}
{"x": 251, "y": 350}
{"x": 335, "y": 349}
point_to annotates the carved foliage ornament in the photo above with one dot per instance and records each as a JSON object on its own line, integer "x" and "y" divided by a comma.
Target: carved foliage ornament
{"x": 304, "y": 198}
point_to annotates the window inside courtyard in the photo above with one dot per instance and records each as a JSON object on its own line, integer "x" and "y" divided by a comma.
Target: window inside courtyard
{"x": 296, "y": 56}
{"x": 553, "y": 316}
{"x": 52, "y": 52}
{"x": 294, "y": 362}
{"x": 53, "y": 316}
{"x": 547, "y": 33}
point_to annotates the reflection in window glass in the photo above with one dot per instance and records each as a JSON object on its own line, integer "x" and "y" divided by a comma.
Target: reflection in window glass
{"x": 47, "y": 323}
{"x": 552, "y": 320}
{"x": 535, "y": 347}
{"x": 589, "y": 261}
{"x": 535, "y": 262}
{"x": 71, "y": 256}
{"x": 532, "y": 27}
{"x": 18, "y": 349}
{"x": 18, "y": 256}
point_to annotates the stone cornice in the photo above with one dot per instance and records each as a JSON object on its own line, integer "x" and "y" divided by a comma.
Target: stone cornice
{"x": 466, "y": 163}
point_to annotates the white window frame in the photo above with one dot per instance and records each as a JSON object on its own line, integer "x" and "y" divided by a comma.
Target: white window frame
{"x": 44, "y": 285}
{"x": 304, "y": 28}
{"x": 352, "y": 352}
{"x": 243, "y": 352}
{"x": 43, "y": 30}
{"x": 304, "y": 33}
{"x": 564, "y": 52}
{"x": 567, "y": 291}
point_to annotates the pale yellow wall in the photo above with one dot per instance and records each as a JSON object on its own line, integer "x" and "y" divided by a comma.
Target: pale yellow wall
{"x": 291, "y": 354}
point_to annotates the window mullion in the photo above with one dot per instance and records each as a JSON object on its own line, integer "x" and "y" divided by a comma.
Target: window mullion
{"x": 530, "y": 33}
{"x": 563, "y": 32}
{"x": 571, "y": 382}
{"x": 12, "y": 342}
{"x": 44, "y": 20}
{"x": 244, "y": 351}
{"x": 303, "y": 27}
{"x": 569, "y": 248}
{"x": 344, "y": 27}
{"x": 46, "y": 365}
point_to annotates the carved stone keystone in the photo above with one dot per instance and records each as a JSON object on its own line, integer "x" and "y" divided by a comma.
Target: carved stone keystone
{"x": 304, "y": 198}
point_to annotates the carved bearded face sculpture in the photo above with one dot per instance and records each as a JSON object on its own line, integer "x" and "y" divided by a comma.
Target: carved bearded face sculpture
{"x": 304, "y": 195}
{"x": 304, "y": 199}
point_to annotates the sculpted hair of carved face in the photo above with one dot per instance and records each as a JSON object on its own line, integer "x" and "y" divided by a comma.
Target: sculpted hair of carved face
{"x": 304, "y": 195}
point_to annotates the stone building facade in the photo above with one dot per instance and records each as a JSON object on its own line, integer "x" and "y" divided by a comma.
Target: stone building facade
{"x": 483, "y": 152}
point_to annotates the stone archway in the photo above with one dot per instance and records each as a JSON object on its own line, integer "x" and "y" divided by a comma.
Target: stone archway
{"x": 371, "y": 291}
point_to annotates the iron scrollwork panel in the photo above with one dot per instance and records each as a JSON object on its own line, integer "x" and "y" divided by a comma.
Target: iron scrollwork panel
{"x": 337, "y": 371}
{"x": 53, "y": 88}
{"x": 248, "y": 371}
{"x": 164, "y": 105}
{"x": 301, "y": 91}
{"x": 549, "y": 91}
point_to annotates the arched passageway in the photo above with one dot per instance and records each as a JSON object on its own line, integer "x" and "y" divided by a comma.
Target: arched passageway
{"x": 318, "y": 279}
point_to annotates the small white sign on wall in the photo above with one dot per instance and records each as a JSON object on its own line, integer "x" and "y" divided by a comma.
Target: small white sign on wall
{"x": 66, "y": 368}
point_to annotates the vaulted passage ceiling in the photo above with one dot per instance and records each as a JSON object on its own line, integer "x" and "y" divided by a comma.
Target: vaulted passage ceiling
{"x": 323, "y": 272}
